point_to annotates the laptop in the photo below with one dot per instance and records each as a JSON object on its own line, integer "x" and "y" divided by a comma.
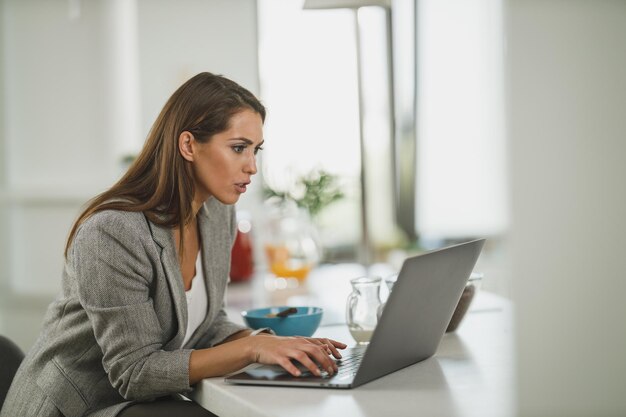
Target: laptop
{"x": 409, "y": 330}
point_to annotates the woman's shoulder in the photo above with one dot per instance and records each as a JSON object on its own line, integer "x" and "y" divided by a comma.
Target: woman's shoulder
{"x": 115, "y": 221}
{"x": 113, "y": 236}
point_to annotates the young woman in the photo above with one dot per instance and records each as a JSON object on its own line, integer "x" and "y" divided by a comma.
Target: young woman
{"x": 140, "y": 315}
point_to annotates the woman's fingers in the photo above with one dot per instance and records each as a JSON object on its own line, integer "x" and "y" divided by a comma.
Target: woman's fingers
{"x": 288, "y": 366}
{"x": 340, "y": 345}
{"x": 331, "y": 345}
{"x": 306, "y": 361}
{"x": 324, "y": 361}
{"x": 312, "y": 353}
{"x": 321, "y": 355}
{"x": 327, "y": 348}
{"x": 311, "y": 358}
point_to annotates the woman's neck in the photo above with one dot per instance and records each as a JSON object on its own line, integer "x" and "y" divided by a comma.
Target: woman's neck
{"x": 197, "y": 203}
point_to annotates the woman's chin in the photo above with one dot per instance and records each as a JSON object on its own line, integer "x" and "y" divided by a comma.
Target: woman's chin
{"x": 227, "y": 200}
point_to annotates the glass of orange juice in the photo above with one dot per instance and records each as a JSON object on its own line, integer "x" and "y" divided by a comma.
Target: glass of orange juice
{"x": 283, "y": 264}
{"x": 291, "y": 246}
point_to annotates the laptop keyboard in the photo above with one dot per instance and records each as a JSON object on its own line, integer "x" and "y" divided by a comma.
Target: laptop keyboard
{"x": 347, "y": 365}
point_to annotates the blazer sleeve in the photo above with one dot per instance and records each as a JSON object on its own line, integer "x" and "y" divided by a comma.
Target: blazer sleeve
{"x": 220, "y": 329}
{"x": 111, "y": 259}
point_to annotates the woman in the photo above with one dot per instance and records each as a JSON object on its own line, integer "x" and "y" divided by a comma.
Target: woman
{"x": 140, "y": 315}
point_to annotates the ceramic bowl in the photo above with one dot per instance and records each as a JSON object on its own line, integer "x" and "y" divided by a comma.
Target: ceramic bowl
{"x": 302, "y": 323}
{"x": 471, "y": 288}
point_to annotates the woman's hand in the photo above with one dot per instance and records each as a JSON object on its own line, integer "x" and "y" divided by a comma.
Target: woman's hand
{"x": 312, "y": 353}
{"x": 329, "y": 345}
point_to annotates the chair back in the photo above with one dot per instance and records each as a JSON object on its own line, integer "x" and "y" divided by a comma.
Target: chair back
{"x": 11, "y": 357}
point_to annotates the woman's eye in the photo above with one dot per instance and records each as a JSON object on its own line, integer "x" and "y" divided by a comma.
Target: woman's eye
{"x": 239, "y": 148}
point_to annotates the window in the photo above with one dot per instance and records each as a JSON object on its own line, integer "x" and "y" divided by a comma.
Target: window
{"x": 308, "y": 70}
{"x": 307, "y": 64}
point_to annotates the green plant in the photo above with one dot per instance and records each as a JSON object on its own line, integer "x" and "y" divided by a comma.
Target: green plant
{"x": 313, "y": 192}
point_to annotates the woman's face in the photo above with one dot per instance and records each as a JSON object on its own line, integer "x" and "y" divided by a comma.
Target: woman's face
{"x": 224, "y": 165}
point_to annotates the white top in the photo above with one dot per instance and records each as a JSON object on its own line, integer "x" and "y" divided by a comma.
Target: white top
{"x": 197, "y": 301}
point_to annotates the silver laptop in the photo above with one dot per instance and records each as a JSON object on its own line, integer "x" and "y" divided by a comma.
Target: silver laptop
{"x": 413, "y": 322}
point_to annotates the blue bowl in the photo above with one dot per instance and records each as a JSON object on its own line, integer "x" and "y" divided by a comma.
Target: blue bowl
{"x": 302, "y": 323}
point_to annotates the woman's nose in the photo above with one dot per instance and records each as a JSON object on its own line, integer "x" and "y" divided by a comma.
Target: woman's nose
{"x": 250, "y": 167}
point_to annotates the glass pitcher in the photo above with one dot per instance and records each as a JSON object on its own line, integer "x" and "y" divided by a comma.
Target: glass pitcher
{"x": 390, "y": 281}
{"x": 362, "y": 307}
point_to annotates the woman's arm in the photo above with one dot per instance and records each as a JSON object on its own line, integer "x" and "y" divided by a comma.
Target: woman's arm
{"x": 242, "y": 350}
{"x": 238, "y": 335}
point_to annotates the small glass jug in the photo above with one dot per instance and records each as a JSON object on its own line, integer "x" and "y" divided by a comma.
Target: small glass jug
{"x": 390, "y": 281}
{"x": 362, "y": 307}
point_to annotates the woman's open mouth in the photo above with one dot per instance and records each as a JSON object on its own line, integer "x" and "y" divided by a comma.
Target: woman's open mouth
{"x": 241, "y": 187}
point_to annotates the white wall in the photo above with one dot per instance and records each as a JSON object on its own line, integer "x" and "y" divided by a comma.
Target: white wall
{"x": 567, "y": 123}
{"x": 53, "y": 106}
{"x": 181, "y": 40}
{"x": 56, "y": 149}
{"x": 70, "y": 81}
{"x": 461, "y": 168}
{"x": 2, "y": 100}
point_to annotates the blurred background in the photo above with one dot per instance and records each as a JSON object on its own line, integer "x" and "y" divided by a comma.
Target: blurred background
{"x": 436, "y": 121}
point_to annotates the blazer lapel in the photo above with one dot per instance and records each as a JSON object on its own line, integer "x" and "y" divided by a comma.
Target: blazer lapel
{"x": 164, "y": 237}
{"x": 207, "y": 253}
{"x": 208, "y": 231}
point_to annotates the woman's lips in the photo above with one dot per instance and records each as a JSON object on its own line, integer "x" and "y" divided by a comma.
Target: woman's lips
{"x": 241, "y": 187}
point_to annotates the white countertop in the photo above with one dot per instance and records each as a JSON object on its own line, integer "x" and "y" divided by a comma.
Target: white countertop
{"x": 470, "y": 375}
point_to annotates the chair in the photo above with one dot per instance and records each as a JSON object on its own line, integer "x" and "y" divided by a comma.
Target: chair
{"x": 10, "y": 359}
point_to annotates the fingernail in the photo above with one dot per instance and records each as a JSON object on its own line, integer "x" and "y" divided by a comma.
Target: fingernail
{"x": 297, "y": 373}
{"x": 331, "y": 370}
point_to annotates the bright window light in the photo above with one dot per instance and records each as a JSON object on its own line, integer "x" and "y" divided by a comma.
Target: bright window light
{"x": 461, "y": 147}
{"x": 307, "y": 63}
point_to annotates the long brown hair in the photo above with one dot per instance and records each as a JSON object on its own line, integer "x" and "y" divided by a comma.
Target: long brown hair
{"x": 160, "y": 181}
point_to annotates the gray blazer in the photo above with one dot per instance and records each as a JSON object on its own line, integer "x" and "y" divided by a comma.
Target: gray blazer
{"x": 114, "y": 334}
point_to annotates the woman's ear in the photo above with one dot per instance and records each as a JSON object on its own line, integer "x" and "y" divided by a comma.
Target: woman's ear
{"x": 185, "y": 145}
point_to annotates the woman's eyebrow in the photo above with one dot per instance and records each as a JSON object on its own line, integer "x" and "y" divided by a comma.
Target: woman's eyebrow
{"x": 248, "y": 141}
